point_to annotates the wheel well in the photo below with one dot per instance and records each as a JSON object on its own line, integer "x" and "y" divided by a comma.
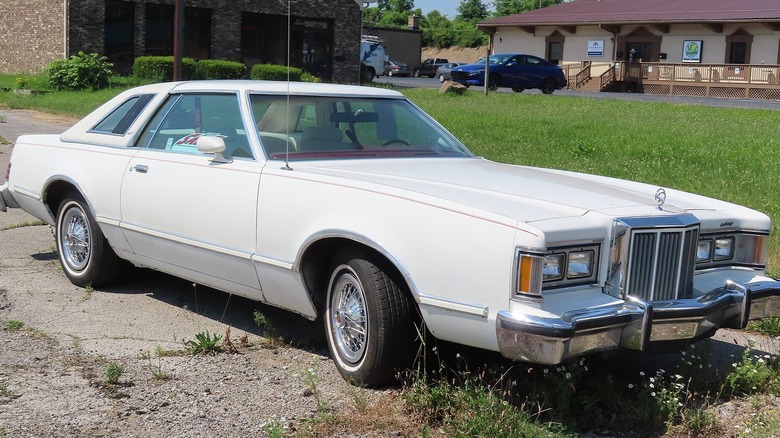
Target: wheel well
{"x": 55, "y": 194}
{"x": 316, "y": 261}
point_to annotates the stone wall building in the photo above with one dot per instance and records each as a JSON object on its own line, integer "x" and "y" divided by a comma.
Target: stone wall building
{"x": 324, "y": 35}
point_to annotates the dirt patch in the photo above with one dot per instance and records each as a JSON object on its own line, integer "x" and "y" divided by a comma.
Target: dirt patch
{"x": 456, "y": 54}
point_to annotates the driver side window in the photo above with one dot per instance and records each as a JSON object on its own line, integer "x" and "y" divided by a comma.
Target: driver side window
{"x": 182, "y": 119}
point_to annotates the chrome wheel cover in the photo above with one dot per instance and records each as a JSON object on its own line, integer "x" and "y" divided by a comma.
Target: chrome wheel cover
{"x": 348, "y": 318}
{"x": 75, "y": 239}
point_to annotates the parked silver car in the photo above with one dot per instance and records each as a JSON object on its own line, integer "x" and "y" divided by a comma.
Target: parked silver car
{"x": 397, "y": 68}
{"x": 443, "y": 72}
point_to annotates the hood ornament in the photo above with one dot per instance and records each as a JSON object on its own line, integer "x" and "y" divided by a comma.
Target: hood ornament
{"x": 660, "y": 197}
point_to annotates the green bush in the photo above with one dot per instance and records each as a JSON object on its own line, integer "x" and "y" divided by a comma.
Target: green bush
{"x": 272, "y": 72}
{"x": 216, "y": 69}
{"x": 80, "y": 71}
{"x": 160, "y": 68}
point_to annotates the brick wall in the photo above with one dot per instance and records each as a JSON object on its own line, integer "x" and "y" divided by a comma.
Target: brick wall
{"x": 31, "y": 34}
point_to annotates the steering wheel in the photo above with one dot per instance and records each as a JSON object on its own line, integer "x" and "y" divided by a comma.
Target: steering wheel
{"x": 395, "y": 140}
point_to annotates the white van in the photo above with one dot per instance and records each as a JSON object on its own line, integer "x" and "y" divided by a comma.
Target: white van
{"x": 372, "y": 54}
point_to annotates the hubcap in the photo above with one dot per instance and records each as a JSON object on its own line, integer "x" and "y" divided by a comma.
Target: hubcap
{"x": 74, "y": 239}
{"x": 349, "y": 320}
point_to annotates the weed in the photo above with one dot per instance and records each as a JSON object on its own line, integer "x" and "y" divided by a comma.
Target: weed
{"x": 2, "y": 118}
{"x": 204, "y": 343}
{"x": 88, "y": 289}
{"x": 698, "y": 422}
{"x": 227, "y": 343}
{"x": 753, "y": 374}
{"x": 272, "y": 337}
{"x": 311, "y": 379}
{"x": 160, "y": 352}
{"x": 112, "y": 373}
{"x": 4, "y": 391}
{"x": 275, "y": 427}
{"x": 767, "y": 326}
{"x": 158, "y": 372}
{"x": 13, "y": 325}
{"x": 358, "y": 397}
{"x": 3, "y": 140}
{"x": 33, "y": 223}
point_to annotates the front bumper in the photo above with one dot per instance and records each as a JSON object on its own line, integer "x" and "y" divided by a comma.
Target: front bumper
{"x": 634, "y": 324}
{"x": 6, "y": 200}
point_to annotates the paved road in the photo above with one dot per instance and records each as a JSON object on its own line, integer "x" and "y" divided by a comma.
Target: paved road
{"x": 411, "y": 82}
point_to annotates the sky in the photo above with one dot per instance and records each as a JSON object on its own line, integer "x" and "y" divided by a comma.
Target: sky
{"x": 446, "y": 7}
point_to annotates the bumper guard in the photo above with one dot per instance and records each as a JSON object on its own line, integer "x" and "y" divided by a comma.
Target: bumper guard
{"x": 634, "y": 324}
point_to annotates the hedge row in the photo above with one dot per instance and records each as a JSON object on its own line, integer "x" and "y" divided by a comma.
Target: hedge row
{"x": 160, "y": 69}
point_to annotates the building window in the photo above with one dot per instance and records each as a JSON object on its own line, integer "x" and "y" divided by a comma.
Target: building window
{"x": 159, "y": 31}
{"x": 119, "y": 35}
{"x": 264, "y": 40}
{"x": 738, "y": 47}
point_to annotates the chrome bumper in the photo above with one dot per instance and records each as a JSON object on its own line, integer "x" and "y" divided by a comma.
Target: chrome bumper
{"x": 633, "y": 324}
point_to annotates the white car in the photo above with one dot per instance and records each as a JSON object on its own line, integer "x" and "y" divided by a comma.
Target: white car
{"x": 352, "y": 205}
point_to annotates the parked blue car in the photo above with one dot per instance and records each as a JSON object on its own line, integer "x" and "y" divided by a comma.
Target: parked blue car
{"x": 513, "y": 70}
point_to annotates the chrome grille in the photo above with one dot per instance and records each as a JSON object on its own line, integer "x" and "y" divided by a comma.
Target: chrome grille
{"x": 655, "y": 257}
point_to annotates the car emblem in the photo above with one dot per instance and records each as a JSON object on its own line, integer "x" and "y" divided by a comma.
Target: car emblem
{"x": 660, "y": 197}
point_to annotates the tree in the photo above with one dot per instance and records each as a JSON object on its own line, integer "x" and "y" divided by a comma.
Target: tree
{"x": 472, "y": 10}
{"x": 509, "y": 7}
{"x": 390, "y": 13}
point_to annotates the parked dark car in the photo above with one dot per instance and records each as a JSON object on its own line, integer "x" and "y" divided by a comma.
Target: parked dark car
{"x": 443, "y": 72}
{"x": 515, "y": 71}
{"x": 428, "y": 67}
{"x": 397, "y": 68}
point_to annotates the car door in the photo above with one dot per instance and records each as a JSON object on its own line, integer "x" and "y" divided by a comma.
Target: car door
{"x": 513, "y": 74}
{"x": 185, "y": 212}
{"x": 535, "y": 71}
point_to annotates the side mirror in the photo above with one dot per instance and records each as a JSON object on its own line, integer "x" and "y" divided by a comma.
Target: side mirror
{"x": 511, "y": 63}
{"x": 211, "y": 144}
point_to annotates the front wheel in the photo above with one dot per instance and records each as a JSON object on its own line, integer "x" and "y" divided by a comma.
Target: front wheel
{"x": 493, "y": 82}
{"x": 416, "y": 73}
{"x": 549, "y": 86}
{"x": 85, "y": 255}
{"x": 369, "y": 320}
{"x": 517, "y": 89}
{"x": 390, "y": 73}
{"x": 441, "y": 77}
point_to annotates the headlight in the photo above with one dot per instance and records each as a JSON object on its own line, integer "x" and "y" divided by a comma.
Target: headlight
{"x": 557, "y": 267}
{"x": 580, "y": 264}
{"x": 732, "y": 249}
{"x": 703, "y": 251}
{"x": 724, "y": 249}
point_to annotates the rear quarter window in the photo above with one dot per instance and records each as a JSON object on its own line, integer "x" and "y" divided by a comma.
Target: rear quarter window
{"x": 118, "y": 121}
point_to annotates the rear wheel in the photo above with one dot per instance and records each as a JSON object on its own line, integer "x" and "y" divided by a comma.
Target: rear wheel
{"x": 517, "y": 89}
{"x": 493, "y": 82}
{"x": 368, "y": 320}
{"x": 549, "y": 86}
{"x": 85, "y": 255}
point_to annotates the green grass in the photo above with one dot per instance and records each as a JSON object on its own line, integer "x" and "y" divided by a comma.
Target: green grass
{"x": 729, "y": 154}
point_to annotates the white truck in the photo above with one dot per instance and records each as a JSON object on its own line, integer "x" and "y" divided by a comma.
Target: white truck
{"x": 372, "y": 54}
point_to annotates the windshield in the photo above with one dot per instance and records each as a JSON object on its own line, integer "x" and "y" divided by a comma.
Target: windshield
{"x": 317, "y": 127}
{"x": 499, "y": 59}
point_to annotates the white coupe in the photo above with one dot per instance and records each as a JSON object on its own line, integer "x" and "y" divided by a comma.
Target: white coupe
{"x": 352, "y": 205}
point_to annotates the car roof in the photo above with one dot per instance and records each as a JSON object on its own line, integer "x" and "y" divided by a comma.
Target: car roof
{"x": 273, "y": 87}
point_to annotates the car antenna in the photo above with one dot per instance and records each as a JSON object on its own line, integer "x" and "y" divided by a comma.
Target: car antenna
{"x": 287, "y": 108}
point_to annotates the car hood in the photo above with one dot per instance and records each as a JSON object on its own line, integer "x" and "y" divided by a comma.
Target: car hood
{"x": 520, "y": 193}
{"x": 470, "y": 67}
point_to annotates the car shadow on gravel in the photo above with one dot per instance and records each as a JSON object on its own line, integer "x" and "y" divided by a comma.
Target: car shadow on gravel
{"x": 233, "y": 310}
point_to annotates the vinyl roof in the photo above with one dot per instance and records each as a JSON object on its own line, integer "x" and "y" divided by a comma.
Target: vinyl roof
{"x": 644, "y": 11}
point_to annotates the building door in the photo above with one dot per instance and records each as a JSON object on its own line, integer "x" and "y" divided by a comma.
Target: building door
{"x": 119, "y": 35}
{"x": 643, "y": 51}
{"x": 311, "y": 42}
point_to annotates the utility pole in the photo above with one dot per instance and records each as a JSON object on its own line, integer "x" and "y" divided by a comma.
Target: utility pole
{"x": 178, "y": 39}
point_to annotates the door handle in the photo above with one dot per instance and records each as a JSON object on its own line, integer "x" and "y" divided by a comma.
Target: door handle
{"x": 140, "y": 168}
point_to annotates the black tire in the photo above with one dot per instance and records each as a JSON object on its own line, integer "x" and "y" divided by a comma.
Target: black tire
{"x": 369, "y": 320}
{"x": 494, "y": 82}
{"x": 549, "y": 86}
{"x": 416, "y": 73}
{"x": 85, "y": 255}
{"x": 517, "y": 89}
{"x": 441, "y": 77}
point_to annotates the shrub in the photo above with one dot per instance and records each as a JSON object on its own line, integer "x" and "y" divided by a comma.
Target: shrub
{"x": 80, "y": 71}
{"x": 160, "y": 68}
{"x": 216, "y": 69}
{"x": 272, "y": 72}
